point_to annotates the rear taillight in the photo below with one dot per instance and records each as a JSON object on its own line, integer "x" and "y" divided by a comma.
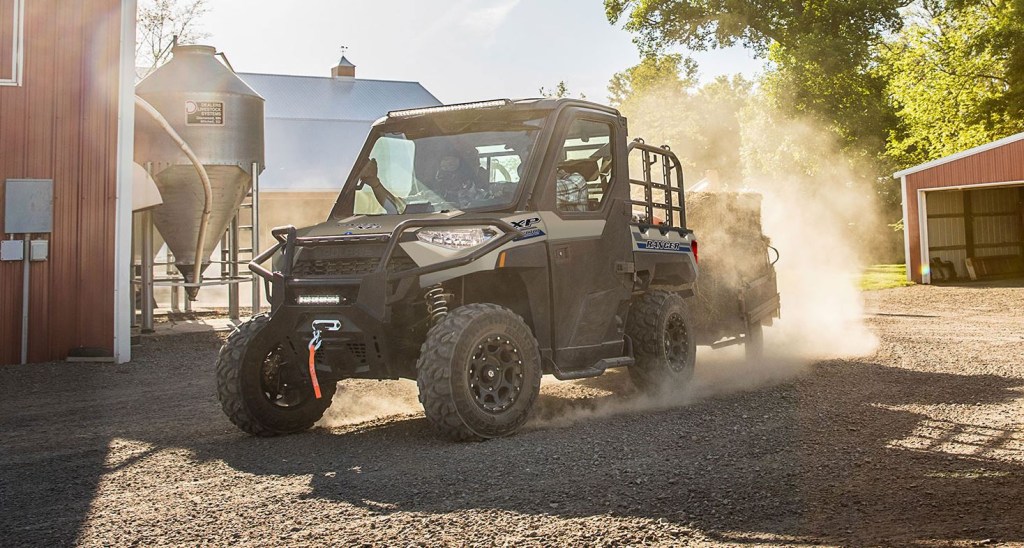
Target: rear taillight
{"x": 693, "y": 246}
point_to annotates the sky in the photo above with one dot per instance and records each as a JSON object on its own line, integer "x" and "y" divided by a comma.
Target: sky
{"x": 460, "y": 50}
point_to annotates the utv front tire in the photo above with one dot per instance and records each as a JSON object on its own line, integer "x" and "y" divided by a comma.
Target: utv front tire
{"x": 664, "y": 344}
{"x": 478, "y": 373}
{"x": 263, "y": 392}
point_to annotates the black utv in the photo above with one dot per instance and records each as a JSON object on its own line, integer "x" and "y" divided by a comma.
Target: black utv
{"x": 475, "y": 248}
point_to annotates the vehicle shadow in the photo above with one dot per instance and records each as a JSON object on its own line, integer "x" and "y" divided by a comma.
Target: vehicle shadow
{"x": 812, "y": 460}
{"x": 835, "y": 456}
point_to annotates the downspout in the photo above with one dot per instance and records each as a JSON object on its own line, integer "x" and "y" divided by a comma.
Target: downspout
{"x": 123, "y": 200}
{"x": 207, "y": 188}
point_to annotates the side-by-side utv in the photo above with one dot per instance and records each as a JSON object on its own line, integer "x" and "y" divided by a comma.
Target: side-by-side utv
{"x": 475, "y": 248}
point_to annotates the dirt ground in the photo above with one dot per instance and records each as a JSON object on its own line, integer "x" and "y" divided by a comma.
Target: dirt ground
{"x": 921, "y": 442}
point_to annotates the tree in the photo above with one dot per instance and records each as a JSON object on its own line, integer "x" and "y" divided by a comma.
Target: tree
{"x": 955, "y": 77}
{"x": 705, "y": 24}
{"x": 822, "y": 51}
{"x": 950, "y": 78}
{"x": 1005, "y": 33}
{"x": 159, "y": 23}
{"x": 671, "y": 72}
{"x": 561, "y": 90}
{"x": 664, "y": 103}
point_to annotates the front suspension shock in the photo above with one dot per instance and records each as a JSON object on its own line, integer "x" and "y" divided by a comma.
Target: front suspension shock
{"x": 437, "y": 304}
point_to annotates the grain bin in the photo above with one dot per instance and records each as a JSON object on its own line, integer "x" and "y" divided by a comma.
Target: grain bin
{"x": 221, "y": 119}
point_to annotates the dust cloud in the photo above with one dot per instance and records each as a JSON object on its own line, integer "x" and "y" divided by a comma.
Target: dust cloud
{"x": 817, "y": 209}
{"x": 358, "y": 401}
{"x": 818, "y": 212}
{"x": 718, "y": 373}
{"x": 822, "y": 218}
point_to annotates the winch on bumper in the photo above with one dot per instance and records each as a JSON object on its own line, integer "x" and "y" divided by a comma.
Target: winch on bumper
{"x": 358, "y": 280}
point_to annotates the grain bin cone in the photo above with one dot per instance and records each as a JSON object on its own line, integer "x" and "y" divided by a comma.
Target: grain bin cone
{"x": 178, "y": 217}
{"x": 187, "y": 271}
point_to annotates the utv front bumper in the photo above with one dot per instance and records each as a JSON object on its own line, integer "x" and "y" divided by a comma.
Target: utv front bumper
{"x": 362, "y": 299}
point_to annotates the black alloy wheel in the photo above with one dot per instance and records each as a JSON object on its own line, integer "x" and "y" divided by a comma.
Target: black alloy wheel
{"x": 282, "y": 384}
{"x": 677, "y": 343}
{"x": 495, "y": 373}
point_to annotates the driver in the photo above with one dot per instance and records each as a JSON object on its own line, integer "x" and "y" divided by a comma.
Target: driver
{"x": 457, "y": 181}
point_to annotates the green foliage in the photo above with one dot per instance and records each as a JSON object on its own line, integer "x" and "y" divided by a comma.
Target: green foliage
{"x": 884, "y": 276}
{"x": 821, "y": 53}
{"x": 670, "y": 73}
{"x": 702, "y": 24}
{"x": 883, "y": 84}
{"x": 1005, "y": 33}
{"x": 949, "y": 77}
{"x": 664, "y": 104}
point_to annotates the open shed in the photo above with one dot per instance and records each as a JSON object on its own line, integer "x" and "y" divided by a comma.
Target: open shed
{"x": 966, "y": 211}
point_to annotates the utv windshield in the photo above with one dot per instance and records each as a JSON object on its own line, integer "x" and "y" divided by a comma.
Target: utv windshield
{"x": 444, "y": 162}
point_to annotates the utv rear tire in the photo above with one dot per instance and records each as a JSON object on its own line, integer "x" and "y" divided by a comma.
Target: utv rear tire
{"x": 664, "y": 342}
{"x": 241, "y": 372}
{"x": 465, "y": 396}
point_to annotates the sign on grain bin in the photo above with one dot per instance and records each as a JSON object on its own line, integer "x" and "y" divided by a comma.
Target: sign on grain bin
{"x": 204, "y": 113}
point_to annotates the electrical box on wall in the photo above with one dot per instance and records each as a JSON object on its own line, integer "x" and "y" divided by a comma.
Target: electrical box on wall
{"x": 12, "y": 250}
{"x": 39, "y": 250}
{"x": 28, "y": 206}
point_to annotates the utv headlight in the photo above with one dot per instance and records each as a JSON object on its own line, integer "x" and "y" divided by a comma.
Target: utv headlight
{"x": 457, "y": 238}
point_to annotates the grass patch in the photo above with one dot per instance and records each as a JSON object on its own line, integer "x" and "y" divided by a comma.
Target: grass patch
{"x": 884, "y": 276}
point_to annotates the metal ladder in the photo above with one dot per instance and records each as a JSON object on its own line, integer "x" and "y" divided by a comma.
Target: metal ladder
{"x": 233, "y": 255}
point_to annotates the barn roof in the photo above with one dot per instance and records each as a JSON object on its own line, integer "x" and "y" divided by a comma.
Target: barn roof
{"x": 325, "y": 98}
{"x": 959, "y": 155}
{"x": 315, "y": 126}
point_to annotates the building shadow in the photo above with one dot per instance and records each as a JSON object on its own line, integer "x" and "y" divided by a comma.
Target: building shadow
{"x": 1001, "y": 282}
{"x": 792, "y": 462}
{"x": 843, "y": 455}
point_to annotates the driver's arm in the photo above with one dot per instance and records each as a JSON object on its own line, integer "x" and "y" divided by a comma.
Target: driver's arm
{"x": 380, "y": 192}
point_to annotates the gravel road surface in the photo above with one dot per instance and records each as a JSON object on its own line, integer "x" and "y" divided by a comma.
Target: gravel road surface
{"x": 921, "y": 442}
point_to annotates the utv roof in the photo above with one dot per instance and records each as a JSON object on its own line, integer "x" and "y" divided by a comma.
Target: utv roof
{"x": 503, "y": 104}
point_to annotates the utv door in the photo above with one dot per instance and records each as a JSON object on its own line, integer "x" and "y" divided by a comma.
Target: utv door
{"x": 585, "y": 211}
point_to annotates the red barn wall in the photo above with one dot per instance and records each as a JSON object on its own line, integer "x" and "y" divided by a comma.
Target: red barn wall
{"x": 1004, "y": 164}
{"x": 61, "y": 124}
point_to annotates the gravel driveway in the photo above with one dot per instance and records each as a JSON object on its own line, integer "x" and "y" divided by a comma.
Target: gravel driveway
{"x": 920, "y": 442}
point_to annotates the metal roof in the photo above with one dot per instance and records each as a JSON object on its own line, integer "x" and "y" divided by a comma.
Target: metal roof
{"x": 325, "y": 98}
{"x": 960, "y": 155}
{"x": 315, "y": 127}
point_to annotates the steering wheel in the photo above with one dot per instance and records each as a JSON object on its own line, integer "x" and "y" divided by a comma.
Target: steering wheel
{"x": 504, "y": 173}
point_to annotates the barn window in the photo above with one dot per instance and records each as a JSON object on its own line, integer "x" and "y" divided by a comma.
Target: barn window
{"x": 12, "y": 41}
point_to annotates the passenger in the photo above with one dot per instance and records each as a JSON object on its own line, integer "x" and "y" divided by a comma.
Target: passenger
{"x": 571, "y": 191}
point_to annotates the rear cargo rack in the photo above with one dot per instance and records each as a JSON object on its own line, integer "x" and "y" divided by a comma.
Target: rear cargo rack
{"x": 664, "y": 195}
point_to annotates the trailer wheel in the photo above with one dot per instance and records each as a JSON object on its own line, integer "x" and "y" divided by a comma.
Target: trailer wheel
{"x": 478, "y": 373}
{"x": 664, "y": 342}
{"x": 262, "y": 389}
{"x": 753, "y": 345}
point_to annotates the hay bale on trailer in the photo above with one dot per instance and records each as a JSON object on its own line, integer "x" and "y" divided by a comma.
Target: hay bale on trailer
{"x": 733, "y": 253}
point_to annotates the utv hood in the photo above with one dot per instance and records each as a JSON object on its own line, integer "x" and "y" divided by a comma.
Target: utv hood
{"x": 368, "y": 224}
